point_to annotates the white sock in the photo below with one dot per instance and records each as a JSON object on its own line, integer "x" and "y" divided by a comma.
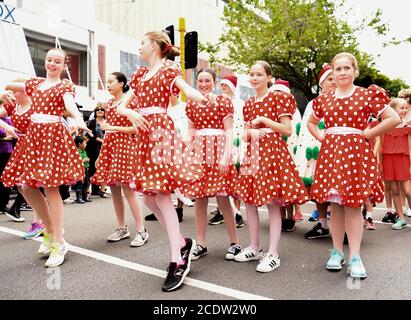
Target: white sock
{"x": 368, "y": 215}
{"x": 324, "y": 223}
{"x": 390, "y": 210}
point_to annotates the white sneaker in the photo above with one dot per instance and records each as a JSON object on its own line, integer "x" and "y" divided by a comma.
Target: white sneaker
{"x": 45, "y": 247}
{"x": 408, "y": 213}
{"x": 248, "y": 254}
{"x": 268, "y": 263}
{"x": 58, "y": 251}
{"x": 118, "y": 235}
{"x": 140, "y": 239}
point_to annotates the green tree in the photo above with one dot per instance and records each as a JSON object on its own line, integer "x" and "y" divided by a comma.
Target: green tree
{"x": 295, "y": 36}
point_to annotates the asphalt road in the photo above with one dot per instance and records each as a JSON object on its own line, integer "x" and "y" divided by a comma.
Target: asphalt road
{"x": 95, "y": 269}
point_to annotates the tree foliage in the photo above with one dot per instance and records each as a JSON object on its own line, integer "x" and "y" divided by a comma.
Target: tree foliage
{"x": 295, "y": 36}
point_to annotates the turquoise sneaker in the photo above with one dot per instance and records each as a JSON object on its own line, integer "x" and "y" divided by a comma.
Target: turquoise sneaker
{"x": 336, "y": 261}
{"x": 356, "y": 268}
{"x": 35, "y": 230}
{"x": 399, "y": 224}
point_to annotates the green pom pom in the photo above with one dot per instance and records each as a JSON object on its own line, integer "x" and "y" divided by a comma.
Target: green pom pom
{"x": 321, "y": 125}
{"x": 237, "y": 165}
{"x": 309, "y": 153}
{"x": 295, "y": 149}
{"x": 285, "y": 138}
{"x": 298, "y": 128}
{"x": 237, "y": 142}
{"x": 307, "y": 181}
{"x": 316, "y": 152}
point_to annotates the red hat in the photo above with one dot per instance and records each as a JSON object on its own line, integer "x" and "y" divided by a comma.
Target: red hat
{"x": 325, "y": 71}
{"x": 281, "y": 85}
{"x": 230, "y": 81}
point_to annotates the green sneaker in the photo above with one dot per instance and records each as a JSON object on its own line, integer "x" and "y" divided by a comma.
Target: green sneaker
{"x": 356, "y": 268}
{"x": 45, "y": 247}
{"x": 336, "y": 261}
{"x": 399, "y": 224}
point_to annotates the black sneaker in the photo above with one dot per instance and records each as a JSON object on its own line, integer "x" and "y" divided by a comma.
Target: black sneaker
{"x": 175, "y": 273}
{"x": 217, "y": 219}
{"x": 14, "y": 214}
{"x": 198, "y": 252}
{"x": 150, "y": 217}
{"x": 25, "y": 207}
{"x": 239, "y": 221}
{"x": 4, "y": 210}
{"x": 232, "y": 251}
{"x": 187, "y": 250}
{"x": 287, "y": 225}
{"x": 388, "y": 218}
{"x": 317, "y": 232}
{"x": 175, "y": 277}
{"x": 179, "y": 214}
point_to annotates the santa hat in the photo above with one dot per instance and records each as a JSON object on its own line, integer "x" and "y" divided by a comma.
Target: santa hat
{"x": 281, "y": 85}
{"x": 230, "y": 81}
{"x": 325, "y": 71}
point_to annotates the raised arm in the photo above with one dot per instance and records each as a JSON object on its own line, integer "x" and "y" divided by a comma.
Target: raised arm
{"x": 71, "y": 107}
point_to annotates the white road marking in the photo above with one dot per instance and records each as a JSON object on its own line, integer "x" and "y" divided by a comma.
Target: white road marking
{"x": 151, "y": 271}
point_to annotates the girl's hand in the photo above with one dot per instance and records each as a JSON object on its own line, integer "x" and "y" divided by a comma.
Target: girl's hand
{"x": 138, "y": 121}
{"x": 106, "y": 127}
{"x": 8, "y": 97}
{"x": 82, "y": 126}
{"x": 366, "y": 133}
{"x": 224, "y": 165}
{"x": 258, "y": 122}
{"x": 256, "y": 133}
{"x": 211, "y": 97}
{"x": 11, "y": 131}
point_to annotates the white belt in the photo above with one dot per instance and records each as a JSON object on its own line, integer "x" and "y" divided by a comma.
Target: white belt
{"x": 44, "y": 118}
{"x": 343, "y": 130}
{"x": 152, "y": 110}
{"x": 210, "y": 132}
{"x": 267, "y": 130}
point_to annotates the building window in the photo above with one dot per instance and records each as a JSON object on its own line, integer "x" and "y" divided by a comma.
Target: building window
{"x": 76, "y": 58}
{"x": 129, "y": 63}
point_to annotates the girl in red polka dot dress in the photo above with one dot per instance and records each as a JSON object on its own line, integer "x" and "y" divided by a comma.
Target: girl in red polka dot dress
{"x": 19, "y": 110}
{"x": 212, "y": 127}
{"x": 347, "y": 173}
{"x": 49, "y": 157}
{"x": 161, "y": 165}
{"x": 396, "y": 155}
{"x": 117, "y": 163}
{"x": 269, "y": 176}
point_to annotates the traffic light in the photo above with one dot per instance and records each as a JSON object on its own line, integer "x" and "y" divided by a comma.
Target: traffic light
{"x": 191, "y": 49}
{"x": 170, "y": 32}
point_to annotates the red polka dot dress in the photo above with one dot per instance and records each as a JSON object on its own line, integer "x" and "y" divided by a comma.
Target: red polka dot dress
{"x": 161, "y": 164}
{"x": 49, "y": 156}
{"x": 20, "y": 121}
{"x": 268, "y": 173}
{"x": 395, "y": 154}
{"x": 117, "y": 162}
{"x": 347, "y": 171}
{"x": 208, "y": 148}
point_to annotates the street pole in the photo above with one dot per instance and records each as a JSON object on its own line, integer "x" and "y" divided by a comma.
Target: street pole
{"x": 182, "y": 29}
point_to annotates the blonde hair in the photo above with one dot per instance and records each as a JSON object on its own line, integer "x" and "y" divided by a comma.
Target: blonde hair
{"x": 405, "y": 94}
{"x": 61, "y": 51}
{"x": 350, "y": 57}
{"x": 164, "y": 42}
{"x": 397, "y": 102}
{"x": 267, "y": 68}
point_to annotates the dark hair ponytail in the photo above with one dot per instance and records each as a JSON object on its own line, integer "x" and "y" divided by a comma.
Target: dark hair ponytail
{"x": 121, "y": 77}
